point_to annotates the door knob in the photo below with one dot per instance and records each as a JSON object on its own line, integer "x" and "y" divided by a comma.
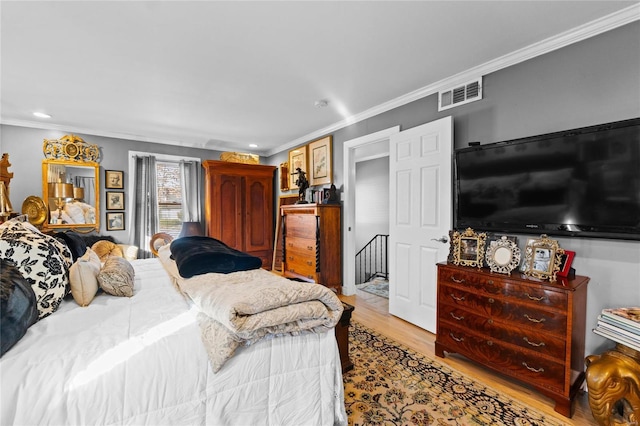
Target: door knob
{"x": 442, "y": 240}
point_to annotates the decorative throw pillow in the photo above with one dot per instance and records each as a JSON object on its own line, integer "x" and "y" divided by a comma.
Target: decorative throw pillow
{"x": 83, "y": 276}
{"x": 201, "y": 255}
{"x": 76, "y": 244}
{"x": 169, "y": 265}
{"x": 116, "y": 277}
{"x": 41, "y": 259}
{"x": 104, "y": 249}
{"x": 17, "y": 306}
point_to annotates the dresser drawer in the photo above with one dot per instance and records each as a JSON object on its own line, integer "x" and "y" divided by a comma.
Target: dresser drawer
{"x": 301, "y": 265}
{"x": 300, "y": 225}
{"x": 543, "y": 343}
{"x": 520, "y": 364}
{"x": 479, "y": 282}
{"x": 505, "y": 309}
{"x": 306, "y": 246}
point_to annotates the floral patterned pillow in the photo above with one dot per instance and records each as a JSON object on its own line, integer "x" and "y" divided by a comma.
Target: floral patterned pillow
{"x": 42, "y": 260}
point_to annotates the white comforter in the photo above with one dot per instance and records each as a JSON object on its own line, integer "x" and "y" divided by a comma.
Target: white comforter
{"x": 140, "y": 360}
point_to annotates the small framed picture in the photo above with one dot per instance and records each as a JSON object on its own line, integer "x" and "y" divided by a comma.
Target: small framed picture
{"x": 542, "y": 258}
{"x": 566, "y": 261}
{"x": 320, "y": 161}
{"x": 114, "y": 179}
{"x": 115, "y": 200}
{"x": 297, "y": 160}
{"x": 468, "y": 248}
{"x": 115, "y": 221}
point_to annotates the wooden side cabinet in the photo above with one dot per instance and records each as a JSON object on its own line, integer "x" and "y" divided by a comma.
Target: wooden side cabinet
{"x": 312, "y": 247}
{"x": 239, "y": 206}
{"x": 531, "y": 330}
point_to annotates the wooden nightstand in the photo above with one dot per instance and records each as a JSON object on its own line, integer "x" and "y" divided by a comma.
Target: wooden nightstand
{"x": 342, "y": 336}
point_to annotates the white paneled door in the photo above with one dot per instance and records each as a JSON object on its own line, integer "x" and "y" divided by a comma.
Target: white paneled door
{"x": 419, "y": 219}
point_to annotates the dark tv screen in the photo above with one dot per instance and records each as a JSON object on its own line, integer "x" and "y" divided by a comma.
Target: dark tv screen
{"x": 582, "y": 182}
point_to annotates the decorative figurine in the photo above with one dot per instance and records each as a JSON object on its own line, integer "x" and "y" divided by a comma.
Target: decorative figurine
{"x": 303, "y": 185}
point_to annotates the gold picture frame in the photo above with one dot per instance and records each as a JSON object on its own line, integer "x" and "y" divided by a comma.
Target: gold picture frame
{"x": 503, "y": 255}
{"x": 542, "y": 258}
{"x": 320, "y": 156}
{"x": 284, "y": 176}
{"x": 468, "y": 248}
{"x": 297, "y": 159}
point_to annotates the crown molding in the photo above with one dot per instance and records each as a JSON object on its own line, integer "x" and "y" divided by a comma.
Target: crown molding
{"x": 582, "y": 32}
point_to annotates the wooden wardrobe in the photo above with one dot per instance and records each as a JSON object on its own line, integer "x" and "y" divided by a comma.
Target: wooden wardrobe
{"x": 239, "y": 206}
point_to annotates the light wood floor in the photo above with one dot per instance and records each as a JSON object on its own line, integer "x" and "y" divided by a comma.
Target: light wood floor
{"x": 373, "y": 312}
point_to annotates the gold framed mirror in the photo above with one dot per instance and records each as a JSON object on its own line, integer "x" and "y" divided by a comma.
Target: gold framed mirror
{"x": 71, "y": 184}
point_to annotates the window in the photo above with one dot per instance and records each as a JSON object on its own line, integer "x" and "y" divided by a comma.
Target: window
{"x": 169, "y": 197}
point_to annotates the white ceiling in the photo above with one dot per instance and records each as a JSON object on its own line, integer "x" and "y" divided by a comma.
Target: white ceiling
{"x": 222, "y": 75}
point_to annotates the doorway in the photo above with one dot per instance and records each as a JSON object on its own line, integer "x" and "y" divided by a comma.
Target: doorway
{"x": 368, "y": 147}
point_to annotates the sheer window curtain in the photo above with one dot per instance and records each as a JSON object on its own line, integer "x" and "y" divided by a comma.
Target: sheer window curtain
{"x": 190, "y": 180}
{"x": 145, "y": 209}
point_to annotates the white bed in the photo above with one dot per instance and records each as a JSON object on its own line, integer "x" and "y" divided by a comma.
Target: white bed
{"x": 140, "y": 360}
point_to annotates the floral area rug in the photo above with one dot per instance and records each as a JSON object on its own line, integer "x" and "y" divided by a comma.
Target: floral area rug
{"x": 377, "y": 286}
{"x": 392, "y": 385}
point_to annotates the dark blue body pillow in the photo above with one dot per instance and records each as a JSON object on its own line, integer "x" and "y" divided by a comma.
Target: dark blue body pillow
{"x": 18, "y": 309}
{"x": 201, "y": 255}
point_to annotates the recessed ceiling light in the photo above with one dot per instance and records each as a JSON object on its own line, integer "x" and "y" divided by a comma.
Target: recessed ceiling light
{"x": 41, "y": 115}
{"x": 321, "y": 103}
{"x": 253, "y": 145}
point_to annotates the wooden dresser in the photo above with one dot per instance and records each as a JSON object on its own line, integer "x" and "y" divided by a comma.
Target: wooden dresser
{"x": 312, "y": 247}
{"x": 528, "y": 329}
{"x": 239, "y": 206}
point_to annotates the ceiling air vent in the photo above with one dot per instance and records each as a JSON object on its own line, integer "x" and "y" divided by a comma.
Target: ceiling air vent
{"x": 460, "y": 95}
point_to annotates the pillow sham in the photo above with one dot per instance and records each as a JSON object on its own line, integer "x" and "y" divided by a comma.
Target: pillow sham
{"x": 169, "y": 265}
{"x": 83, "y": 277}
{"x": 117, "y": 276}
{"x": 17, "y": 306}
{"x": 41, "y": 259}
{"x": 200, "y": 255}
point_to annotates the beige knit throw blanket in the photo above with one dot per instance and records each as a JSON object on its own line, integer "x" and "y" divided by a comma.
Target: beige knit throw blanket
{"x": 241, "y": 308}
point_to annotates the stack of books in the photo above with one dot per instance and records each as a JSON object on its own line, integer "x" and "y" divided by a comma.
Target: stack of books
{"x": 622, "y": 325}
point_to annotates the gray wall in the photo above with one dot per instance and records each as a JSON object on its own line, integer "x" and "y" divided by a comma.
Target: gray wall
{"x": 24, "y": 146}
{"x": 590, "y": 82}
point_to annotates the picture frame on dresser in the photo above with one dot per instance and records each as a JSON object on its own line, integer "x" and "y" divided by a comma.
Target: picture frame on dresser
{"x": 297, "y": 159}
{"x": 468, "y": 248}
{"x": 503, "y": 255}
{"x": 565, "y": 265}
{"x": 320, "y": 161}
{"x": 543, "y": 258}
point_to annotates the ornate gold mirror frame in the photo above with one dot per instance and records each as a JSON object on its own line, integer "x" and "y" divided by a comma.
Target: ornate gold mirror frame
{"x": 543, "y": 258}
{"x": 71, "y": 184}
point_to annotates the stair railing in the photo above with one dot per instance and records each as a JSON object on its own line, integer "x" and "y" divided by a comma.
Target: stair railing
{"x": 372, "y": 260}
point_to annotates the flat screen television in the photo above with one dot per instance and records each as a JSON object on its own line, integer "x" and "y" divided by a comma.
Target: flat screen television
{"x": 582, "y": 183}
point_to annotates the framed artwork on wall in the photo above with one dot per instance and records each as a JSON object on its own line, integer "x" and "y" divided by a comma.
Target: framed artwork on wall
{"x": 297, "y": 160}
{"x": 115, "y": 200}
{"x": 115, "y": 221}
{"x": 320, "y": 160}
{"x": 114, "y": 179}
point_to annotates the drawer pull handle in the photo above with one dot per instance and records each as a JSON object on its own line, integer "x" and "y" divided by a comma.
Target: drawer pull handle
{"x": 490, "y": 282}
{"x": 491, "y": 300}
{"x": 534, "y": 319}
{"x": 309, "y": 247}
{"x": 537, "y": 299}
{"x": 460, "y": 281}
{"x": 537, "y": 345}
{"x": 457, "y": 339}
{"x": 290, "y": 257}
{"x": 454, "y": 297}
{"x": 535, "y": 370}
{"x": 309, "y": 262}
{"x": 489, "y": 343}
{"x": 455, "y": 317}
